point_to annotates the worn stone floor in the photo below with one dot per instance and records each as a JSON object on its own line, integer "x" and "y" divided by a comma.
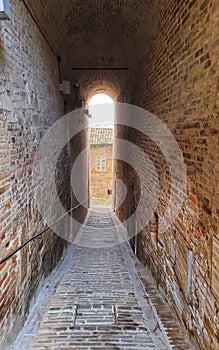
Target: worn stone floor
{"x": 101, "y": 297}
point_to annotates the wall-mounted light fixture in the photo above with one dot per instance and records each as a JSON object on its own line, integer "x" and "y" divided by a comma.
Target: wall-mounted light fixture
{"x": 5, "y": 12}
{"x": 65, "y": 87}
{"x": 86, "y": 112}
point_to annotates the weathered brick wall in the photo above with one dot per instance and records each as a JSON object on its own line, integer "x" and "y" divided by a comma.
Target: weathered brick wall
{"x": 30, "y": 103}
{"x": 78, "y": 144}
{"x": 100, "y": 182}
{"x": 178, "y": 82}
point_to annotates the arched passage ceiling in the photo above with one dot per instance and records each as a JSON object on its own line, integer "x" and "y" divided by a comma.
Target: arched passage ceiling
{"x": 97, "y": 33}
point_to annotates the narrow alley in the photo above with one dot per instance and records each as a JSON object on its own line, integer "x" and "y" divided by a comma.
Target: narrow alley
{"x": 101, "y": 302}
{"x": 109, "y": 103}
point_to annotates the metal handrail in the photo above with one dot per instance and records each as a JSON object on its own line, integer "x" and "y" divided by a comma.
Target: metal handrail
{"x": 7, "y": 257}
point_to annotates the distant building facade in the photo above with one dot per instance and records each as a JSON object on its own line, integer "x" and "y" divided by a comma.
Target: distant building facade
{"x": 101, "y": 163}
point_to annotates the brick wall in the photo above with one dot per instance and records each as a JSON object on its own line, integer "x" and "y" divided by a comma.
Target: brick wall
{"x": 100, "y": 181}
{"x": 178, "y": 82}
{"x": 30, "y": 103}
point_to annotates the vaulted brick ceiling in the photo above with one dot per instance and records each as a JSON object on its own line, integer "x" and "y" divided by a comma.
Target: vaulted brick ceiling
{"x": 98, "y": 33}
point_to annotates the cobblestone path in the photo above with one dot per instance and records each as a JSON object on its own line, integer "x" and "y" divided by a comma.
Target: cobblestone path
{"x": 100, "y": 302}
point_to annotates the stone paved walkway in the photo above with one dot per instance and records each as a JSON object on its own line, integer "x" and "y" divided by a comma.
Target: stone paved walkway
{"x": 100, "y": 301}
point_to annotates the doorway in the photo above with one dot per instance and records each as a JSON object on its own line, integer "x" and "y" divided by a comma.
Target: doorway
{"x": 101, "y": 133}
